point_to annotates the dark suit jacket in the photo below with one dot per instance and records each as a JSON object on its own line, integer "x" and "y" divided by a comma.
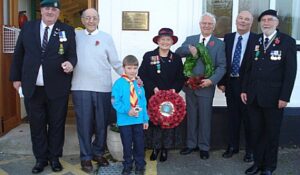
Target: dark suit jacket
{"x": 271, "y": 80}
{"x": 171, "y": 76}
{"x": 229, "y": 41}
{"x": 28, "y": 58}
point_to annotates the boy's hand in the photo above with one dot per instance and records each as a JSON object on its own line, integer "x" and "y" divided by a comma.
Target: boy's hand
{"x": 145, "y": 126}
{"x": 133, "y": 113}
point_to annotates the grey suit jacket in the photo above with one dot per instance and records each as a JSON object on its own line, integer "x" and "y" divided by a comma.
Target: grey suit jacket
{"x": 216, "y": 49}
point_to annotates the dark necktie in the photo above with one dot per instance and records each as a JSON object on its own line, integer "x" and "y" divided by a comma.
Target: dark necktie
{"x": 235, "y": 65}
{"x": 203, "y": 41}
{"x": 45, "y": 39}
{"x": 266, "y": 42}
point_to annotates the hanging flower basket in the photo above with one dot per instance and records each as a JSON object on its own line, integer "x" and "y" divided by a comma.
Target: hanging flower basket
{"x": 166, "y": 109}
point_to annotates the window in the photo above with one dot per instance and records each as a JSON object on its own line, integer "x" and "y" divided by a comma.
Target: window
{"x": 255, "y": 7}
{"x": 222, "y": 9}
{"x": 289, "y": 17}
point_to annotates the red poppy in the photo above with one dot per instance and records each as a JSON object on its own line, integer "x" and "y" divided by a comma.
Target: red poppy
{"x": 277, "y": 41}
{"x": 194, "y": 82}
{"x": 97, "y": 43}
{"x": 211, "y": 44}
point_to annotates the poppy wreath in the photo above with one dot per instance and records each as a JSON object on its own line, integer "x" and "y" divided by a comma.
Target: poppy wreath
{"x": 194, "y": 81}
{"x": 166, "y": 109}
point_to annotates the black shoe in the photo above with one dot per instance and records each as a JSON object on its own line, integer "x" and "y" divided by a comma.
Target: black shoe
{"x": 126, "y": 171}
{"x": 230, "y": 152}
{"x": 266, "y": 172}
{"x": 252, "y": 170}
{"x": 139, "y": 171}
{"x": 39, "y": 167}
{"x": 163, "y": 155}
{"x": 186, "y": 151}
{"x": 56, "y": 166}
{"x": 248, "y": 157}
{"x": 87, "y": 166}
{"x": 154, "y": 154}
{"x": 204, "y": 154}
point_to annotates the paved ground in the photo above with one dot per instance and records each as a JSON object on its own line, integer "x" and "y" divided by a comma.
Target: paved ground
{"x": 16, "y": 159}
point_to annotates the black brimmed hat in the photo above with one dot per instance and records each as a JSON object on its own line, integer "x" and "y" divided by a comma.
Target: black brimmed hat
{"x": 268, "y": 12}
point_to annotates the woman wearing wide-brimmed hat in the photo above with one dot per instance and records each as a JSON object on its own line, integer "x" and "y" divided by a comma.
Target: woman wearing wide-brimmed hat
{"x": 161, "y": 69}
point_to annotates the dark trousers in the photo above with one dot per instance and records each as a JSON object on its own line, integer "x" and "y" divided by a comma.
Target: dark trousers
{"x": 265, "y": 129}
{"x": 237, "y": 113}
{"x": 92, "y": 110}
{"x": 47, "y": 124}
{"x": 162, "y": 138}
{"x": 132, "y": 137}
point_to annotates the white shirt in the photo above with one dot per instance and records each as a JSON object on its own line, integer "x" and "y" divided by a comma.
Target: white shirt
{"x": 40, "y": 78}
{"x": 271, "y": 36}
{"x": 206, "y": 39}
{"x": 243, "y": 42}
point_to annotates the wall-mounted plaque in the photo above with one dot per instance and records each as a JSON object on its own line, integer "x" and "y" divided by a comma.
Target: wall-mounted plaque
{"x": 135, "y": 20}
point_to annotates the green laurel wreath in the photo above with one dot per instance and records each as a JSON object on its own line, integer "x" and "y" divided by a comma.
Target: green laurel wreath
{"x": 191, "y": 62}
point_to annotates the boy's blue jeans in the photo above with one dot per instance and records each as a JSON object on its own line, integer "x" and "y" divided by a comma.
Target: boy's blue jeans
{"x": 133, "y": 146}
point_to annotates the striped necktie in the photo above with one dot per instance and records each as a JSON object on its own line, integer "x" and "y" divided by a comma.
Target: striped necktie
{"x": 133, "y": 96}
{"x": 45, "y": 39}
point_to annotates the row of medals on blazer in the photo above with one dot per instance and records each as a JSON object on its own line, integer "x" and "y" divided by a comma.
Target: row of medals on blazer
{"x": 155, "y": 60}
{"x": 274, "y": 54}
{"x": 62, "y": 38}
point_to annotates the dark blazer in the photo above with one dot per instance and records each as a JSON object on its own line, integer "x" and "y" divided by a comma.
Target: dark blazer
{"x": 229, "y": 41}
{"x": 271, "y": 80}
{"x": 28, "y": 58}
{"x": 171, "y": 76}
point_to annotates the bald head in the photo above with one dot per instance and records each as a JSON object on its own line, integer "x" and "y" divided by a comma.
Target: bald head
{"x": 90, "y": 19}
{"x": 244, "y": 22}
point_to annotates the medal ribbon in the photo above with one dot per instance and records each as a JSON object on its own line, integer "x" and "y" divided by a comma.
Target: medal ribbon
{"x": 133, "y": 96}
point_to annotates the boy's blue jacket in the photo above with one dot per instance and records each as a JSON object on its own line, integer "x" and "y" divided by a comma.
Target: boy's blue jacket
{"x": 121, "y": 103}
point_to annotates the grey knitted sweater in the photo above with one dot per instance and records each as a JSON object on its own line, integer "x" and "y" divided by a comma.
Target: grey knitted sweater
{"x": 96, "y": 56}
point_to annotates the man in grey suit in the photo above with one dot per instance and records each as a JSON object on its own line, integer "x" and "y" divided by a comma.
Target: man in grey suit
{"x": 199, "y": 101}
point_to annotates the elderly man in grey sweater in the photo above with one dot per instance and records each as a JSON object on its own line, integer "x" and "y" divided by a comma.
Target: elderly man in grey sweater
{"x": 91, "y": 88}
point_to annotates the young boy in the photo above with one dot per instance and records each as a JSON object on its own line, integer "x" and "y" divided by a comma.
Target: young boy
{"x": 129, "y": 101}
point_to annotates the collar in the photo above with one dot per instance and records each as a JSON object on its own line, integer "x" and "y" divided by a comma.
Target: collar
{"x": 93, "y": 33}
{"x": 206, "y": 39}
{"x": 245, "y": 36}
{"x": 271, "y": 36}
{"x": 43, "y": 25}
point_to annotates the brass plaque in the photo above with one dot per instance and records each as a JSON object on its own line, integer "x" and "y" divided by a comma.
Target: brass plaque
{"x": 135, "y": 20}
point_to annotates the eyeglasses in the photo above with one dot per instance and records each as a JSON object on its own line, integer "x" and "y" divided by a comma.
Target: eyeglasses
{"x": 90, "y": 18}
{"x": 207, "y": 23}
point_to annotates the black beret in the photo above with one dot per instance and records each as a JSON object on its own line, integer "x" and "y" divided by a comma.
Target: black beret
{"x": 268, "y": 12}
{"x": 50, "y": 3}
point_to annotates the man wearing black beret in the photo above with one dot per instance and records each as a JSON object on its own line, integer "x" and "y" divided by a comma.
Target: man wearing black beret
{"x": 266, "y": 89}
{"x": 44, "y": 58}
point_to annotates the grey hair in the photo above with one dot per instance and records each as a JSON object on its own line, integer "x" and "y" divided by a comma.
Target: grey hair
{"x": 210, "y": 15}
{"x": 83, "y": 13}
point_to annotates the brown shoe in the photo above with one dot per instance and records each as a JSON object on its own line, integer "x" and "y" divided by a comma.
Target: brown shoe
{"x": 101, "y": 160}
{"x": 86, "y": 166}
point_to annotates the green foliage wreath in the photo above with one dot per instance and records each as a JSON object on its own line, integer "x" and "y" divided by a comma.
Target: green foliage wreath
{"x": 191, "y": 62}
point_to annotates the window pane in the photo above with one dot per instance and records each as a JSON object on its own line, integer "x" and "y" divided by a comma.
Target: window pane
{"x": 222, "y": 9}
{"x": 289, "y": 17}
{"x": 255, "y": 7}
